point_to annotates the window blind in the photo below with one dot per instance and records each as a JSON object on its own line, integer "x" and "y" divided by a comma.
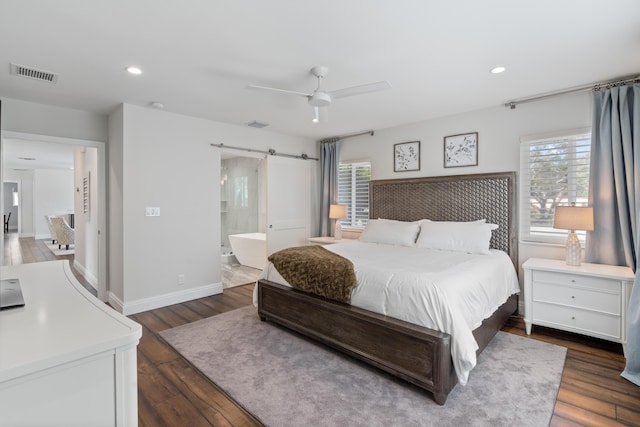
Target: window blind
{"x": 353, "y": 191}
{"x": 553, "y": 172}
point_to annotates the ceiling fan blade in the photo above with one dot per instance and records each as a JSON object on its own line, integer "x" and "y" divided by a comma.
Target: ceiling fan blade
{"x": 358, "y": 90}
{"x": 272, "y": 89}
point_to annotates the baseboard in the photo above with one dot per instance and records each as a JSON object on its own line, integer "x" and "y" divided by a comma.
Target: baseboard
{"x": 90, "y": 278}
{"x": 146, "y": 304}
{"x": 115, "y": 302}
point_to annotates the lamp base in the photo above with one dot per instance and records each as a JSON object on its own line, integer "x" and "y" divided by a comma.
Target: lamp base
{"x": 337, "y": 234}
{"x": 574, "y": 250}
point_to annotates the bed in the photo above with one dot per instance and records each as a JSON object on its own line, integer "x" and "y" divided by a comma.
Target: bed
{"x": 415, "y": 353}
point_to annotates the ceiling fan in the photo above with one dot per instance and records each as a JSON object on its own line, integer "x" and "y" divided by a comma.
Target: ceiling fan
{"x": 320, "y": 98}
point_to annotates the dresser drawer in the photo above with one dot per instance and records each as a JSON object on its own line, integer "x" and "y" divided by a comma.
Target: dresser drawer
{"x": 582, "y": 281}
{"x": 577, "y": 320}
{"x": 588, "y": 298}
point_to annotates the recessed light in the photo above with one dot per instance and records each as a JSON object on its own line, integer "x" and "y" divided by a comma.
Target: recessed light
{"x": 157, "y": 105}
{"x": 134, "y": 70}
{"x": 498, "y": 70}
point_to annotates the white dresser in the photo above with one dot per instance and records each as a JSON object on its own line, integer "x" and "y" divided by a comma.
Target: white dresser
{"x": 66, "y": 358}
{"x": 590, "y": 299}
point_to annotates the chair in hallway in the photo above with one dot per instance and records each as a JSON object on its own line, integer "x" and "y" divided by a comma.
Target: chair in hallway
{"x": 62, "y": 232}
{"x": 52, "y": 232}
{"x": 6, "y": 222}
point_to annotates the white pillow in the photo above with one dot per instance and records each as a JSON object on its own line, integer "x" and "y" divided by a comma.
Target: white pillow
{"x": 390, "y": 232}
{"x": 481, "y": 221}
{"x": 471, "y": 237}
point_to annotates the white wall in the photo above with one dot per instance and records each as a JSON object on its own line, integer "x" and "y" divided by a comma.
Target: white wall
{"x": 25, "y": 178}
{"x": 30, "y": 117}
{"x": 160, "y": 159}
{"x": 115, "y": 228}
{"x": 53, "y": 195}
{"x": 499, "y": 131}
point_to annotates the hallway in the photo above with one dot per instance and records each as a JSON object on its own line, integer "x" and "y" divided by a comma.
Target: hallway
{"x": 26, "y": 250}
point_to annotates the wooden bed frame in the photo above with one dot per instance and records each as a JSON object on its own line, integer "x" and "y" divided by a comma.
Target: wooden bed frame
{"x": 419, "y": 355}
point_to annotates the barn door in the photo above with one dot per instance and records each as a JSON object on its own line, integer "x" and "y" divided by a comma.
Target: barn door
{"x": 288, "y": 202}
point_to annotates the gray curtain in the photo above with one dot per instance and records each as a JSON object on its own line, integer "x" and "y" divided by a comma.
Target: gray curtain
{"x": 329, "y": 162}
{"x": 614, "y": 192}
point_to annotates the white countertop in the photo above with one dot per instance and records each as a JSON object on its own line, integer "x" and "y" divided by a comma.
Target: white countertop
{"x": 598, "y": 270}
{"x": 60, "y": 322}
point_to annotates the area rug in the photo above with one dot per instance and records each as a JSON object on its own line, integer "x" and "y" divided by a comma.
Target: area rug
{"x": 287, "y": 380}
{"x": 62, "y": 251}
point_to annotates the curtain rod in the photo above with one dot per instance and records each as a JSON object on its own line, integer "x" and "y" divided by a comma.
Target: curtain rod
{"x": 350, "y": 135}
{"x": 594, "y": 87}
{"x": 270, "y": 152}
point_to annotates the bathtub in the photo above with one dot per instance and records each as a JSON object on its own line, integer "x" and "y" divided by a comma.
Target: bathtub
{"x": 250, "y": 249}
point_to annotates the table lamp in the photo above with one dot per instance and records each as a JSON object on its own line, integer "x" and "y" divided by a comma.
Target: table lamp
{"x": 336, "y": 212}
{"x": 573, "y": 218}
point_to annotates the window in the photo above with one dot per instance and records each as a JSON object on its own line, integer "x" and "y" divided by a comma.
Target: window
{"x": 240, "y": 191}
{"x": 353, "y": 191}
{"x": 554, "y": 170}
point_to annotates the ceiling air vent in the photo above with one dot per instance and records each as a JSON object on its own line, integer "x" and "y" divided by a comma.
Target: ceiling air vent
{"x": 256, "y": 124}
{"x": 34, "y": 73}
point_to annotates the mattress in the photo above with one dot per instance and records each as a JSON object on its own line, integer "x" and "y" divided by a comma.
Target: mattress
{"x": 447, "y": 291}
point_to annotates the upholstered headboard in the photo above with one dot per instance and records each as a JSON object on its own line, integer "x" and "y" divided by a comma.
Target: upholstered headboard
{"x": 490, "y": 196}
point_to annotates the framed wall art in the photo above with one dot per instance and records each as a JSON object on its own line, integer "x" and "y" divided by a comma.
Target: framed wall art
{"x": 406, "y": 156}
{"x": 85, "y": 194}
{"x": 461, "y": 150}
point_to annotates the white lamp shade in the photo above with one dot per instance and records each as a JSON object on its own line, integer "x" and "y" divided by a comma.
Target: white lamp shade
{"x": 573, "y": 218}
{"x": 337, "y": 211}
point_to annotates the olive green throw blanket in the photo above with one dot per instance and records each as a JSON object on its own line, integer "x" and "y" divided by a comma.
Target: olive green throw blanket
{"x": 316, "y": 270}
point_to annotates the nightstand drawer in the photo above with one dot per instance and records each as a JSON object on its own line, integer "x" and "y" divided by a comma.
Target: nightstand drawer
{"x": 576, "y": 320}
{"x": 571, "y": 296}
{"x": 582, "y": 281}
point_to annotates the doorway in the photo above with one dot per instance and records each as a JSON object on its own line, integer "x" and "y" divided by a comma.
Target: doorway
{"x": 10, "y": 212}
{"x": 241, "y": 214}
{"x": 84, "y": 170}
{"x": 284, "y": 198}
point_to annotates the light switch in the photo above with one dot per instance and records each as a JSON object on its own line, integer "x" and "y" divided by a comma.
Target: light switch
{"x": 152, "y": 211}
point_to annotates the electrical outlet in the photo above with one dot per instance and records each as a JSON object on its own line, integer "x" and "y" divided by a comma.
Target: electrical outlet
{"x": 180, "y": 279}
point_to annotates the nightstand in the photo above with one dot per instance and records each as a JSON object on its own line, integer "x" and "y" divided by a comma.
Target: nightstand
{"x": 327, "y": 240}
{"x": 590, "y": 299}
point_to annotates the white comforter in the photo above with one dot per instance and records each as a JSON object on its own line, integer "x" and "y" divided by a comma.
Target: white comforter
{"x": 451, "y": 292}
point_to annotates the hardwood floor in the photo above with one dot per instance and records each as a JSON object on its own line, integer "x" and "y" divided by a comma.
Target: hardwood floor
{"x": 26, "y": 250}
{"x": 592, "y": 393}
{"x": 172, "y": 392}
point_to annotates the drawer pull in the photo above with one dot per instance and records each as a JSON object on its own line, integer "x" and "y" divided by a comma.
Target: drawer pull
{"x": 573, "y": 297}
{"x": 573, "y": 280}
{"x": 573, "y": 317}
